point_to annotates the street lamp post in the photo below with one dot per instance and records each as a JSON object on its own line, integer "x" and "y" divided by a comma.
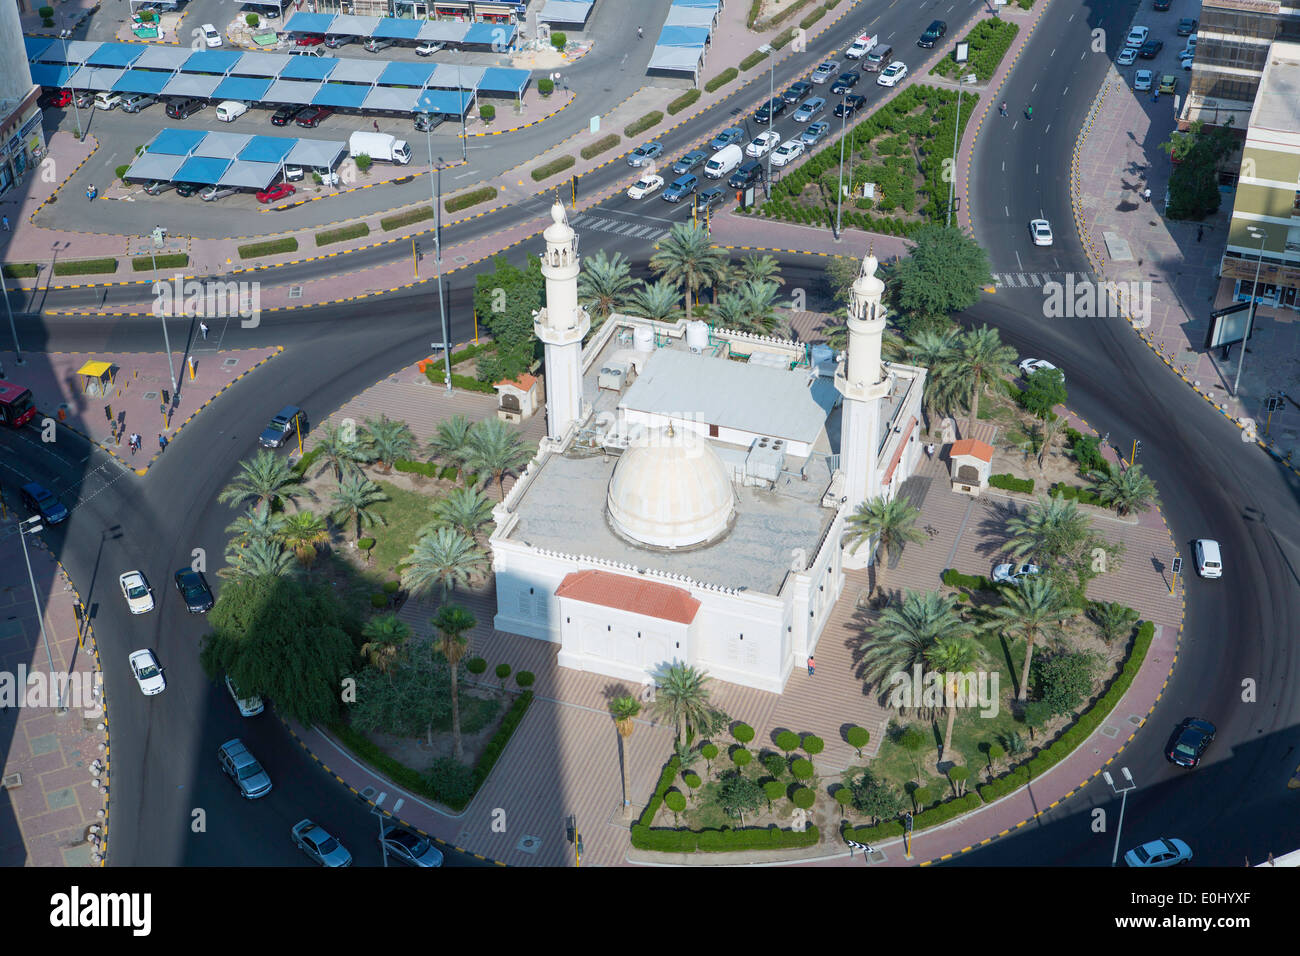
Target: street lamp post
{"x": 952, "y": 171}
{"x": 435, "y": 194}
{"x": 460, "y": 94}
{"x": 153, "y": 255}
{"x": 839, "y": 189}
{"x": 33, "y": 526}
{"x": 1262, "y": 236}
{"x": 771, "y": 116}
{"x": 1123, "y": 792}
{"x": 13, "y": 329}
{"x": 76, "y": 111}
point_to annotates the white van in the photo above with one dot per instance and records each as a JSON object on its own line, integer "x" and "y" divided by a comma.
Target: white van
{"x": 1209, "y": 563}
{"x": 724, "y": 161}
{"x": 230, "y": 110}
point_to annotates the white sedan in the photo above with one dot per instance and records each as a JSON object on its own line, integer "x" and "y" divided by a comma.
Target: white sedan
{"x": 1031, "y": 365}
{"x": 644, "y": 187}
{"x": 1041, "y": 232}
{"x": 148, "y": 674}
{"x": 1159, "y": 853}
{"x": 1127, "y": 56}
{"x": 787, "y": 152}
{"x": 210, "y": 35}
{"x": 893, "y": 74}
{"x": 1009, "y": 573}
{"x": 1137, "y": 36}
{"x": 139, "y": 598}
{"x": 763, "y": 144}
{"x": 1142, "y": 80}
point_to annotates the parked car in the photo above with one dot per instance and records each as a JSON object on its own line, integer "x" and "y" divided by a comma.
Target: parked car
{"x": 763, "y": 144}
{"x": 243, "y": 769}
{"x": 230, "y": 110}
{"x": 39, "y": 500}
{"x": 428, "y": 48}
{"x": 787, "y": 152}
{"x": 645, "y": 153}
{"x": 275, "y": 193}
{"x": 55, "y": 99}
{"x": 211, "y": 36}
{"x": 769, "y": 110}
{"x": 796, "y": 91}
{"x": 1186, "y": 26}
{"x": 317, "y": 843}
{"x": 293, "y": 174}
{"x": 213, "y": 193}
{"x": 1161, "y": 4}
{"x": 1209, "y": 560}
{"x": 185, "y": 107}
{"x": 147, "y": 672}
{"x": 825, "y": 71}
{"x": 815, "y": 133}
{"x": 1137, "y": 36}
{"x": 1010, "y": 573}
{"x": 1159, "y": 853}
{"x": 378, "y": 44}
{"x": 248, "y": 706}
{"x": 1151, "y": 49}
{"x": 644, "y": 187}
{"x": 811, "y": 108}
{"x": 732, "y": 134}
{"x": 689, "y": 161}
{"x": 410, "y": 848}
{"x": 425, "y": 122}
{"x": 708, "y": 198}
{"x": 194, "y": 589}
{"x": 108, "y": 100}
{"x": 1168, "y": 83}
{"x": 284, "y": 115}
{"x": 158, "y": 187}
{"x": 309, "y": 117}
{"x": 1142, "y": 80}
{"x": 1126, "y": 56}
{"x": 1040, "y": 230}
{"x": 336, "y": 40}
{"x": 850, "y": 105}
{"x": 187, "y": 189}
{"x": 933, "y": 33}
{"x": 893, "y": 74}
{"x": 681, "y": 187}
{"x": 136, "y": 590}
{"x": 310, "y": 39}
{"x": 1190, "y": 741}
{"x": 845, "y": 82}
{"x": 135, "y": 102}
{"x": 289, "y": 422}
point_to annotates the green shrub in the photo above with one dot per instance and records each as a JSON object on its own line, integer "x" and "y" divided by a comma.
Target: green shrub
{"x": 406, "y": 218}
{"x": 364, "y": 162}
{"x": 471, "y": 198}
{"x": 73, "y": 267}
{"x": 599, "y": 146}
{"x": 465, "y": 382}
{"x": 559, "y": 41}
{"x": 946, "y": 811}
{"x": 306, "y": 461}
{"x": 353, "y": 231}
{"x": 638, "y": 127}
{"x": 692, "y": 779}
{"x": 687, "y": 99}
{"x": 272, "y": 247}
{"x": 874, "y": 834}
{"x": 782, "y": 39}
{"x": 743, "y": 733}
{"x": 120, "y": 171}
{"x": 416, "y": 467}
{"x": 392, "y": 587}
{"x": 525, "y": 678}
{"x": 365, "y": 544}
{"x": 723, "y": 78}
{"x": 804, "y": 798}
{"x": 664, "y": 840}
{"x": 787, "y": 740}
{"x": 754, "y": 7}
{"x": 252, "y": 20}
{"x": 502, "y": 671}
{"x": 741, "y": 757}
{"x": 857, "y": 738}
{"x": 546, "y": 86}
{"x": 989, "y": 42}
{"x": 812, "y": 18}
{"x": 45, "y": 12}
{"x": 448, "y": 473}
{"x": 487, "y": 112}
{"x": 802, "y": 769}
{"x": 751, "y": 61}
{"x": 20, "y": 270}
{"x": 452, "y": 781}
{"x": 554, "y": 166}
{"x": 487, "y": 760}
{"x": 975, "y": 582}
{"x": 1087, "y": 453}
{"x": 1074, "y": 493}
{"x": 666, "y": 778}
{"x": 173, "y": 260}
{"x": 1011, "y": 483}
{"x": 476, "y": 665}
{"x": 813, "y": 745}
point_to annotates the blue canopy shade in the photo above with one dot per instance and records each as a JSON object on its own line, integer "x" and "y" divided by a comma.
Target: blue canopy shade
{"x": 212, "y": 61}
{"x": 448, "y": 102}
{"x": 707, "y": 4}
{"x": 309, "y": 23}
{"x": 407, "y": 74}
{"x": 248, "y": 88}
{"x": 297, "y": 92}
{"x": 250, "y": 175}
{"x": 176, "y": 142}
{"x": 142, "y": 81}
{"x": 201, "y": 169}
{"x": 498, "y": 79}
{"x": 154, "y": 166}
{"x": 47, "y": 74}
{"x": 309, "y": 68}
{"x": 266, "y": 149}
{"x": 344, "y": 95}
{"x": 36, "y": 46}
{"x": 391, "y": 28}
{"x": 115, "y": 54}
{"x": 683, "y": 36}
{"x": 489, "y": 33}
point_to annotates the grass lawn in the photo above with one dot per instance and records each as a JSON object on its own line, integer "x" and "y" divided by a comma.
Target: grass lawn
{"x": 404, "y": 514}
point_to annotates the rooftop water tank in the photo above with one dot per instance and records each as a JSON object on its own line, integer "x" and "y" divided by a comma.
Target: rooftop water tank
{"x": 643, "y": 339}
{"x": 697, "y": 336}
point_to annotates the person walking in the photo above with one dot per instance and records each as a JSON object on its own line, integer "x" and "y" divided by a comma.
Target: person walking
{"x": 1003, "y": 108}
{"x": 1146, "y": 194}
{"x": 812, "y": 665}
{"x": 1200, "y": 232}
{"x": 203, "y": 330}
{"x": 5, "y": 221}
{"x": 639, "y": 34}
{"x": 162, "y": 442}
{"x": 376, "y": 126}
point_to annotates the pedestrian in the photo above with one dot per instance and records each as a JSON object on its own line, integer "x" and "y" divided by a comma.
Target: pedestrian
{"x": 5, "y": 221}
{"x": 639, "y": 34}
{"x": 376, "y": 126}
{"x": 203, "y": 330}
{"x": 162, "y": 442}
{"x": 1200, "y": 231}
{"x": 1146, "y": 194}
{"x": 812, "y": 665}
{"x": 1003, "y": 108}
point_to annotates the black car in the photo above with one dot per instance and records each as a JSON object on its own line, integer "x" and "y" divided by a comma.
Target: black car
{"x": 184, "y": 108}
{"x": 773, "y": 107}
{"x": 41, "y": 501}
{"x": 1162, "y": 4}
{"x": 309, "y": 117}
{"x": 194, "y": 589}
{"x": 1186, "y": 27}
{"x": 845, "y": 82}
{"x": 1190, "y": 741}
{"x": 284, "y": 115}
{"x": 289, "y": 422}
{"x": 710, "y": 198}
{"x": 796, "y": 92}
{"x": 850, "y": 104}
{"x": 187, "y": 189}
{"x": 932, "y": 34}
{"x": 689, "y": 161}
{"x": 1149, "y": 49}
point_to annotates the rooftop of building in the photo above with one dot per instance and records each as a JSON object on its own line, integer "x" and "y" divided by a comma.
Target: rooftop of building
{"x": 1277, "y": 102}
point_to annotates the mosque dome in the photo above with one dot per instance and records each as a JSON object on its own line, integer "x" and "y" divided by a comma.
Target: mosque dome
{"x": 671, "y": 490}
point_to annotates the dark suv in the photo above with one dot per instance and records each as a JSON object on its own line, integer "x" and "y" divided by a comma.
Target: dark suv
{"x": 41, "y": 501}
{"x": 288, "y": 422}
{"x": 184, "y": 108}
{"x": 932, "y": 34}
{"x": 773, "y": 107}
{"x": 195, "y": 591}
{"x": 750, "y": 173}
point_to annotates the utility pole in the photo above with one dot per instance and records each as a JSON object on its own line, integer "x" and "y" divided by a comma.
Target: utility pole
{"x": 839, "y": 190}
{"x": 435, "y": 176}
{"x": 1123, "y": 791}
{"x": 1262, "y": 236}
{"x": 33, "y": 526}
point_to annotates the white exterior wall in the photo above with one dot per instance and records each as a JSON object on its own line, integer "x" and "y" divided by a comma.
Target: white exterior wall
{"x": 730, "y": 436}
{"x": 617, "y": 643}
{"x": 15, "y": 74}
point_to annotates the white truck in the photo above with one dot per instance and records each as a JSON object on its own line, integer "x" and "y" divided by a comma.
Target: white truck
{"x": 384, "y": 147}
{"x": 861, "y": 46}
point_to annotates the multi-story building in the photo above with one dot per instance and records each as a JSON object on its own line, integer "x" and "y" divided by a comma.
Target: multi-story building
{"x": 1232, "y": 43}
{"x": 20, "y": 115}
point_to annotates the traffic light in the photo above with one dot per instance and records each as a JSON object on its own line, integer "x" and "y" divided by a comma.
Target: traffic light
{"x": 1178, "y": 565}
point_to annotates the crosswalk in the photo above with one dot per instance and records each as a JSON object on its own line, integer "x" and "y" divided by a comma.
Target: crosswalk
{"x": 1035, "y": 280}
{"x": 633, "y": 230}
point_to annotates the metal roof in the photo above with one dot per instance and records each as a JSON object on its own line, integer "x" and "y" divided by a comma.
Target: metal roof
{"x": 201, "y": 169}
{"x": 355, "y": 26}
{"x": 142, "y": 81}
{"x": 309, "y": 22}
{"x": 444, "y": 30}
{"x": 292, "y": 91}
{"x": 261, "y": 64}
{"x": 97, "y": 77}
{"x": 387, "y": 98}
{"x": 690, "y": 17}
{"x": 353, "y": 70}
{"x": 319, "y": 153}
{"x": 155, "y": 166}
{"x": 407, "y": 74}
{"x": 248, "y": 88}
{"x": 115, "y": 54}
{"x": 449, "y": 102}
{"x": 162, "y": 58}
{"x": 221, "y": 145}
{"x": 35, "y": 46}
{"x": 394, "y": 29}
{"x": 266, "y": 149}
{"x": 47, "y": 74}
{"x": 683, "y": 36}
{"x": 72, "y": 51}
{"x": 249, "y": 175}
{"x": 177, "y": 142}
{"x": 685, "y": 59}
{"x": 452, "y": 77}
{"x": 499, "y": 80}
{"x": 309, "y": 68}
{"x": 345, "y": 95}
{"x": 191, "y": 84}
{"x": 493, "y": 34}
{"x": 565, "y": 11}
{"x": 212, "y": 61}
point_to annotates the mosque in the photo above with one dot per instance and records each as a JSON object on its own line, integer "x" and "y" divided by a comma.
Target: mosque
{"x": 688, "y": 501}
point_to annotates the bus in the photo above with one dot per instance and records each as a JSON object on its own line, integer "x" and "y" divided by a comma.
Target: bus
{"x": 16, "y": 405}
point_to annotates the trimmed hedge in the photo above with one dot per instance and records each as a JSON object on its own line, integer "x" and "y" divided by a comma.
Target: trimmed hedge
{"x": 492, "y": 752}
{"x": 975, "y": 582}
{"x": 1011, "y": 483}
{"x": 469, "y": 351}
{"x": 272, "y": 247}
{"x": 20, "y": 270}
{"x": 1075, "y": 493}
{"x": 416, "y": 467}
{"x": 989, "y": 42}
{"x": 173, "y": 260}
{"x": 599, "y": 146}
{"x": 471, "y": 198}
{"x": 880, "y": 831}
{"x": 406, "y": 218}
{"x": 355, "y": 231}
{"x": 785, "y": 14}
{"x": 84, "y": 267}
{"x": 547, "y": 170}
{"x": 644, "y": 123}
{"x": 946, "y": 811}
{"x": 782, "y": 39}
{"x": 682, "y": 102}
{"x": 812, "y": 18}
{"x": 751, "y": 61}
{"x": 722, "y": 79}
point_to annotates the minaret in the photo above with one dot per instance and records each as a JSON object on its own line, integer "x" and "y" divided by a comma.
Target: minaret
{"x": 862, "y": 382}
{"x": 561, "y": 326}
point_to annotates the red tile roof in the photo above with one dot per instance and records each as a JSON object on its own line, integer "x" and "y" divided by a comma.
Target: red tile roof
{"x": 969, "y": 446}
{"x": 898, "y": 452}
{"x": 650, "y": 598}
{"x": 524, "y": 381}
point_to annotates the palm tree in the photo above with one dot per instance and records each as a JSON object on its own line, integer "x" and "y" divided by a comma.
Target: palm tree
{"x": 439, "y": 560}
{"x": 904, "y": 633}
{"x": 1125, "y": 491}
{"x": 1112, "y": 619}
{"x": 980, "y": 361}
{"x": 657, "y": 302}
{"x": 1048, "y": 530}
{"x": 449, "y": 442}
{"x": 1033, "y": 609}
{"x": 340, "y": 449}
{"x": 466, "y": 509}
{"x": 388, "y": 440}
{"x": 759, "y": 297}
{"x": 267, "y": 479}
{"x": 937, "y": 352}
{"x": 836, "y": 331}
{"x": 688, "y": 258}
{"x": 603, "y": 284}
{"x": 762, "y": 268}
{"x": 730, "y": 311}
{"x": 890, "y": 522}
{"x": 624, "y": 711}
{"x": 953, "y": 657}
{"x": 496, "y": 449}
{"x": 303, "y": 532}
{"x": 353, "y": 500}
{"x": 681, "y": 696}
{"x": 385, "y": 635}
{"x": 256, "y": 524}
{"x": 260, "y": 558}
{"x": 1047, "y": 434}
{"x": 452, "y": 621}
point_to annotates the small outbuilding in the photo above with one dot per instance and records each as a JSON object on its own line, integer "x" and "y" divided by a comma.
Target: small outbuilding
{"x": 519, "y": 398}
{"x": 969, "y": 462}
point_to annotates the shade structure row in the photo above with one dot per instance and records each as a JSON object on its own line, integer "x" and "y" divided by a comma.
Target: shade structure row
{"x": 685, "y": 37}
{"x": 241, "y": 160}
{"x": 393, "y": 28}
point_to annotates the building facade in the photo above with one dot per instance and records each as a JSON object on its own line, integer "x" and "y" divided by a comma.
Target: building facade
{"x": 1233, "y": 41}
{"x": 21, "y": 136}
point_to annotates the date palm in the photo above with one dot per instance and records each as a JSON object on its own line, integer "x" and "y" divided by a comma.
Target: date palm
{"x": 260, "y": 558}
{"x": 657, "y": 301}
{"x": 1032, "y": 609}
{"x": 1050, "y": 530}
{"x": 302, "y": 533}
{"x": 341, "y": 448}
{"x": 497, "y": 450}
{"x": 759, "y": 297}
{"x": 890, "y": 523}
{"x": 388, "y": 440}
{"x": 624, "y": 711}
{"x": 255, "y": 524}
{"x": 681, "y": 696}
{"x": 451, "y": 622}
{"x": 466, "y": 509}
{"x": 385, "y": 635}
{"x": 439, "y": 560}
{"x": 953, "y": 657}
{"x": 266, "y": 480}
{"x": 1113, "y": 619}
{"x": 904, "y": 633}
{"x": 980, "y": 361}
{"x": 937, "y": 352}
{"x": 450, "y": 441}
{"x": 757, "y": 268}
{"x": 688, "y": 258}
{"x": 354, "y": 500}
{"x": 1125, "y": 491}
{"x": 603, "y": 284}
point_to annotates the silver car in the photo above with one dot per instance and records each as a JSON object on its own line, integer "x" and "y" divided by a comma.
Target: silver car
{"x": 242, "y": 768}
{"x": 317, "y": 843}
{"x": 410, "y": 848}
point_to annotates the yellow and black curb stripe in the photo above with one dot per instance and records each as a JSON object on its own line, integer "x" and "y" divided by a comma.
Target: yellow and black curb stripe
{"x": 573, "y": 98}
{"x": 50, "y": 198}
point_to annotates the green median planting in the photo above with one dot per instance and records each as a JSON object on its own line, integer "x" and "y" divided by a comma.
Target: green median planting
{"x": 546, "y": 170}
{"x": 723, "y": 78}
{"x": 687, "y": 99}
{"x": 173, "y": 260}
{"x": 644, "y": 123}
{"x": 354, "y": 231}
{"x": 20, "y": 270}
{"x": 406, "y": 218}
{"x": 751, "y": 61}
{"x": 599, "y": 146}
{"x": 272, "y": 247}
{"x": 82, "y": 267}
{"x": 471, "y": 198}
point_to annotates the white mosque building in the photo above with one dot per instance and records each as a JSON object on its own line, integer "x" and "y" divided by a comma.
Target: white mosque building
{"x": 688, "y": 502}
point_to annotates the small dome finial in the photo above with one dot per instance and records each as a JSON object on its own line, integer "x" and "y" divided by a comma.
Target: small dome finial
{"x": 557, "y": 214}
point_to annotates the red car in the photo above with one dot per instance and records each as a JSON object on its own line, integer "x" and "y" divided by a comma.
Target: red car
{"x": 311, "y": 39}
{"x": 309, "y": 117}
{"x": 57, "y": 98}
{"x": 276, "y": 192}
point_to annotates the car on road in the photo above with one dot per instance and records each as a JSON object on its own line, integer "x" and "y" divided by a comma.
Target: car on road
{"x": 787, "y": 152}
{"x": 41, "y": 501}
{"x": 763, "y": 144}
{"x": 732, "y": 134}
{"x": 135, "y": 102}
{"x": 1159, "y": 853}
{"x": 194, "y": 589}
{"x": 429, "y": 47}
{"x": 815, "y": 133}
{"x": 410, "y": 848}
{"x": 243, "y": 769}
{"x": 309, "y": 117}
{"x": 796, "y": 91}
{"x": 136, "y": 590}
{"x": 845, "y": 82}
{"x": 248, "y": 706}
{"x": 108, "y": 100}
{"x": 689, "y": 161}
{"x": 1186, "y": 59}
{"x": 1031, "y": 365}
{"x": 1209, "y": 560}
{"x": 1186, "y": 26}
{"x": 645, "y": 153}
{"x": 1168, "y": 83}
{"x": 147, "y": 672}
{"x": 850, "y": 105}
{"x": 861, "y": 46}
{"x": 55, "y": 99}
{"x": 1151, "y": 49}
{"x": 288, "y": 422}
{"x": 1011, "y": 573}
{"x": 1126, "y": 56}
{"x": 1137, "y": 36}
{"x": 825, "y": 71}
{"x": 1142, "y": 80}
{"x": 772, "y": 108}
{"x": 317, "y": 843}
{"x": 708, "y": 198}
{"x": 893, "y": 74}
{"x": 284, "y": 115}
{"x": 1040, "y": 230}
{"x": 644, "y": 187}
{"x": 1190, "y": 741}
{"x": 275, "y": 193}
{"x": 933, "y": 33}
{"x": 1161, "y": 4}
{"x": 310, "y": 39}
{"x": 211, "y": 36}
{"x": 681, "y": 187}
{"x": 811, "y": 107}
{"x": 185, "y": 107}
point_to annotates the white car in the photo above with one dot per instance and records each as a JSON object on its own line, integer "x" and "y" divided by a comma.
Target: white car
{"x": 1041, "y": 232}
{"x": 1159, "y": 853}
{"x": 248, "y": 706}
{"x": 147, "y": 672}
{"x": 893, "y": 74}
{"x": 210, "y": 35}
{"x": 1187, "y": 60}
{"x": 763, "y": 144}
{"x": 1031, "y": 365}
{"x": 861, "y": 46}
{"x": 1142, "y": 80}
{"x": 139, "y": 598}
{"x": 1209, "y": 560}
{"x": 428, "y": 47}
{"x": 1127, "y": 56}
{"x": 1137, "y": 36}
{"x": 787, "y": 152}
{"x": 230, "y": 110}
{"x": 1010, "y": 573}
{"x": 644, "y": 187}
{"x": 313, "y": 840}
